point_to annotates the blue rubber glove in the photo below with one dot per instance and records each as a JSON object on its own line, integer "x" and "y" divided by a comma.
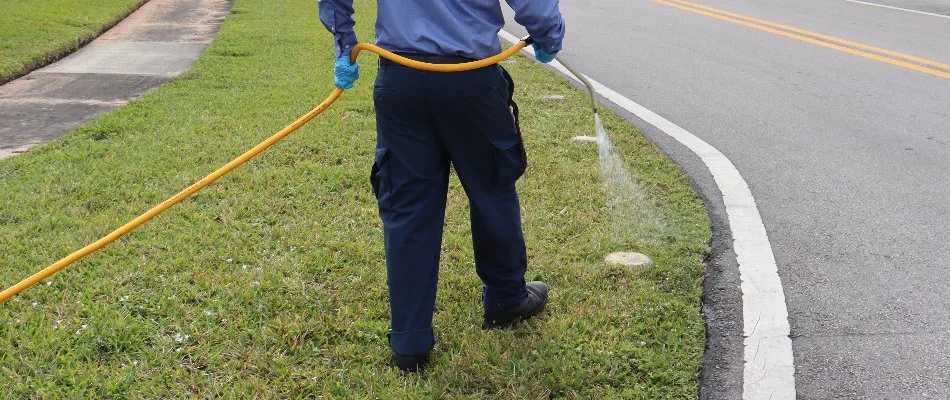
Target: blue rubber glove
{"x": 345, "y": 73}
{"x": 543, "y": 56}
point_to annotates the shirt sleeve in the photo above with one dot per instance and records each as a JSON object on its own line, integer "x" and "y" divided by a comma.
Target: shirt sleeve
{"x": 542, "y": 19}
{"x": 337, "y": 17}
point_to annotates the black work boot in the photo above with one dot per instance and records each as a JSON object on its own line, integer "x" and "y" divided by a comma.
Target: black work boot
{"x": 532, "y": 305}
{"x": 414, "y": 363}
{"x": 410, "y": 363}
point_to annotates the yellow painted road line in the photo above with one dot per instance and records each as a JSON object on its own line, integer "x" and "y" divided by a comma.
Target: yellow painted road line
{"x": 919, "y": 60}
{"x": 899, "y": 63}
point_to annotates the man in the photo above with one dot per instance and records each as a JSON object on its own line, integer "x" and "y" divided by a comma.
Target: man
{"x": 426, "y": 121}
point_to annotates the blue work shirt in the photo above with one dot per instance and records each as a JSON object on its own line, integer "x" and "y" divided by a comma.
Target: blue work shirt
{"x": 467, "y": 28}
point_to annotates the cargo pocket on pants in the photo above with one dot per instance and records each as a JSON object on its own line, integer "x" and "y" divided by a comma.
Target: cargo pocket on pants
{"x": 379, "y": 178}
{"x": 510, "y": 162}
{"x": 511, "y": 159}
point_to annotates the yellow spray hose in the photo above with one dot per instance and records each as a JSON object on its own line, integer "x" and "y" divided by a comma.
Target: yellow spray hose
{"x": 190, "y": 190}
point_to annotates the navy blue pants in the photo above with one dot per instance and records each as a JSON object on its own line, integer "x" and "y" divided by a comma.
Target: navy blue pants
{"x": 426, "y": 121}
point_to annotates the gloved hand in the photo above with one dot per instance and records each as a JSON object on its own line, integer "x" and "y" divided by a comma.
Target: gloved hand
{"x": 345, "y": 73}
{"x": 542, "y": 55}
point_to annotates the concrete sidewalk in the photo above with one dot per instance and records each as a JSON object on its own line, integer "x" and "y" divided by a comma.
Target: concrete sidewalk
{"x": 158, "y": 41}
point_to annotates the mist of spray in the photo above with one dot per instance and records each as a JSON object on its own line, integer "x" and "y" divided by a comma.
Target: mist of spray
{"x": 634, "y": 220}
{"x": 633, "y": 216}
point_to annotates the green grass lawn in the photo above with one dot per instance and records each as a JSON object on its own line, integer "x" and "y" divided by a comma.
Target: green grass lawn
{"x": 34, "y": 33}
{"x": 271, "y": 282}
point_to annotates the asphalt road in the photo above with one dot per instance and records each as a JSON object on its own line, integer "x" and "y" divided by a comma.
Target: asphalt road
{"x": 848, "y": 159}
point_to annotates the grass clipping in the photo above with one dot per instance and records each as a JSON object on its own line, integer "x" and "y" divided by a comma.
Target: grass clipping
{"x": 271, "y": 282}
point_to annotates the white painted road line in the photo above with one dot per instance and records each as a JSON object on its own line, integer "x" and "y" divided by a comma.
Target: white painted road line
{"x": 769, "y": 370}
{"x": 899, "y": 8}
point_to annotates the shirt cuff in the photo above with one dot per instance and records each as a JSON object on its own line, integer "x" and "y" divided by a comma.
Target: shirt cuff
{"x": 345, "y": 43}
{"x": 552, "y": 39}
